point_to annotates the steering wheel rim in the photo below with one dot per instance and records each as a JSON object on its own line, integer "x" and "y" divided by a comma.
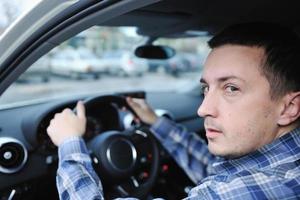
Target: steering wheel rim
{"x": 109, "y": 138}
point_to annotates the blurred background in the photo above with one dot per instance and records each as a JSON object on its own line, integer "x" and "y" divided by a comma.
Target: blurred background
{"x": 101, "y": 60}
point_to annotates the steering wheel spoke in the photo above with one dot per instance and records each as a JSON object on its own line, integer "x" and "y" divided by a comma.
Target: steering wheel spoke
{"x": 135, "y": 181}
{"x": 121, "y": 191}
{"x": 127, "y": 187}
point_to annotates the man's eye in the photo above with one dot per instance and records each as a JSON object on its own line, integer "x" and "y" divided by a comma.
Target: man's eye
{"x": 231, "y": 88}
{"x": 204, "y": 89}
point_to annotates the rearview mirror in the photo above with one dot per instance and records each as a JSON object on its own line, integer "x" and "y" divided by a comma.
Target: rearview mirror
{"x": 154, "y": 52}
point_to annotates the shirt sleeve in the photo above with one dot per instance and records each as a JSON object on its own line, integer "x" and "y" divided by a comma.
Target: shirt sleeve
{"x": 76, "y": 178}
{"x": 187, "y": 148}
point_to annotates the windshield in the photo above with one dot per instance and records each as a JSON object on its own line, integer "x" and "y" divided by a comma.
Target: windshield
{"x": 101, "y": 60}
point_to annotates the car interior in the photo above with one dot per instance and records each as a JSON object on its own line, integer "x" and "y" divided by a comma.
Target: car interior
{"x": 154, "y": 31}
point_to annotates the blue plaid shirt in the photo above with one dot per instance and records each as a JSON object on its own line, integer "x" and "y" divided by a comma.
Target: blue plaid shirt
{"x": 272, "y": 172}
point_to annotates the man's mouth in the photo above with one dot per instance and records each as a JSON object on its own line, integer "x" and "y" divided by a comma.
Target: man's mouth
{"x": 212, "y": 133}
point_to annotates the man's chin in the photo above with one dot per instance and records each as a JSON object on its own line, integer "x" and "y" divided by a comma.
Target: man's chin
{"x": 219, "y": 151}
{"x": 213, "y": 149}
{"x": 224, "y": 153}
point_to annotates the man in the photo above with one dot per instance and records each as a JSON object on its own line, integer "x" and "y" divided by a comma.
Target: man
{"x": 251, "y": 110}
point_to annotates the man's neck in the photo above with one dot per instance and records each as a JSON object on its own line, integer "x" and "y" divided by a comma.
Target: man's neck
{"x": 286, "y": 129}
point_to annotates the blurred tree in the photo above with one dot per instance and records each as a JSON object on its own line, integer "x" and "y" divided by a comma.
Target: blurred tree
{"x": 10, "y": 10}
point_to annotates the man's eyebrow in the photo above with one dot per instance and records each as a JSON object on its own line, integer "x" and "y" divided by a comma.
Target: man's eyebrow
{"x": 202, "y": 80}
{"x": 223, "y": 79}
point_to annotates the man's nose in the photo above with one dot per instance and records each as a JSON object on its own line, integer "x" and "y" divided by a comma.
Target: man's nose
{"x": 208, "y": 106}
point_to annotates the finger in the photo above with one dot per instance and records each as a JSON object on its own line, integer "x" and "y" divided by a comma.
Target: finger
{"x": 133, "y": 104}
{"x": 67, "y": 110}
{"x": 129, "y": 100}
{"x": 80, "y": 110}
{"x": 49, "y": 130}
{"x": 141, "y": 102}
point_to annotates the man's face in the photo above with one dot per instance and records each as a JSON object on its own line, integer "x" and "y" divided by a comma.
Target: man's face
{"x": 239, "y": 114}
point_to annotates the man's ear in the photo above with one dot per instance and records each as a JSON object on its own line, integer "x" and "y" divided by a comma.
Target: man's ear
{"x": 291, "y": 110}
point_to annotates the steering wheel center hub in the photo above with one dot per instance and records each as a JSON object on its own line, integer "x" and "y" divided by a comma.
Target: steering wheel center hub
{"x": 121, "y": 154}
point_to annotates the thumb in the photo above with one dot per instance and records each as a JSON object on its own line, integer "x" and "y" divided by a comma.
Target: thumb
{"x": 80, "y": 110}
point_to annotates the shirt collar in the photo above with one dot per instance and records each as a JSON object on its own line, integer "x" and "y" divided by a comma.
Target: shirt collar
{"x": 281, "y": 150}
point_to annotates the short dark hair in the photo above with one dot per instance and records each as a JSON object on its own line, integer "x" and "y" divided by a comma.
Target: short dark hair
{"x": 281, "y": 64}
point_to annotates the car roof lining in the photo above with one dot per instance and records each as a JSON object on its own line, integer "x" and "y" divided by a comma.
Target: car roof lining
{"x": 206, "y": 15}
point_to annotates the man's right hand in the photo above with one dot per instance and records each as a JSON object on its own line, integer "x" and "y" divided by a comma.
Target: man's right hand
{"x": 67, "y": 124}
{"x": 143, "y": 110}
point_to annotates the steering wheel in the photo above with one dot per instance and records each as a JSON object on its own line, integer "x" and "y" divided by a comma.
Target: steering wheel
{"x": 120, "y": 157}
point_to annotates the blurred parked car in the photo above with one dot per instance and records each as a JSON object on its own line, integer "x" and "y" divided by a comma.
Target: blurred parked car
{"x": 195, "y": 61}
{"x": 124, "y": 63}
{"x": 39, "y": 70}
{"x": 181, "y": 62}
{"x": 156, "y": 65}
{"x": 76, "y": 64}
